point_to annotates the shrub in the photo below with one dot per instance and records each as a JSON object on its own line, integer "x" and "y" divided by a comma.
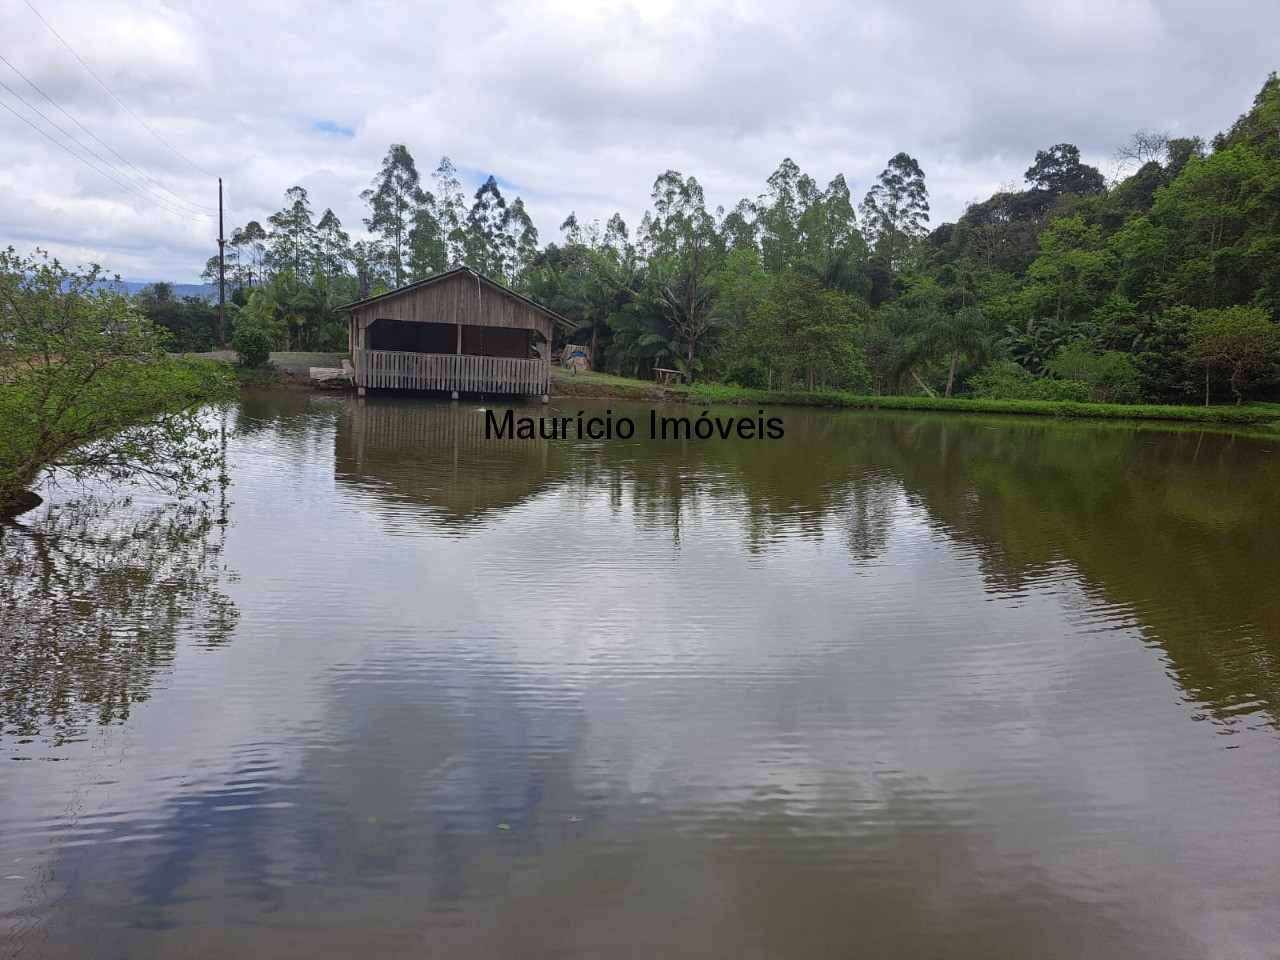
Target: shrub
{"x": 1110, "y": 377}
{"x": 852, "y": 375}
{"x": 1006, "y": 380}
{"x": 748, "y": 372}
{"x": 252, "y": 346}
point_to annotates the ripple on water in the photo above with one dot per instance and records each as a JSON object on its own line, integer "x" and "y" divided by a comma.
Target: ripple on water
{"x": 910, "y": 687}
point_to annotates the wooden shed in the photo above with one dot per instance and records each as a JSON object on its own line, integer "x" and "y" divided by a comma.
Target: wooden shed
{"x": 456, "y": 331}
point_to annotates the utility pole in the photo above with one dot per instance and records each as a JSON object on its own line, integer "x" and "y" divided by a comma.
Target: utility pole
{"x": 222, "y": 276}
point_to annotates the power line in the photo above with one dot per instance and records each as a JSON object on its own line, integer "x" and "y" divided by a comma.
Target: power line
{"x": 104, "y": 86}
{"x": 196, "y": 207}
{"x": 159, "y": 200}
{"x": 89, "y": 163}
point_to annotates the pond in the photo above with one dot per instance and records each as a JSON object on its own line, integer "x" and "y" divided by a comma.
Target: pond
{"x": 890, "y": 686}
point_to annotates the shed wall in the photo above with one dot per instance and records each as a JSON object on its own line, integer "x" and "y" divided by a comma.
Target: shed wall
{"x": 462, "y": 299}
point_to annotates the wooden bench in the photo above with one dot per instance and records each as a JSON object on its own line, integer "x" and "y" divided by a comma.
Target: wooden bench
{"x": 663, "y": 375}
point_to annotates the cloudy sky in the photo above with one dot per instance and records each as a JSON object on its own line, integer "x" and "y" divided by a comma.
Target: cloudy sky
{"x": 572, "y": 105}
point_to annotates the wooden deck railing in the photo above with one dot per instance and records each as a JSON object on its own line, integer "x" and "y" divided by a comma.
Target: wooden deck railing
{"x": 403, "y": 370}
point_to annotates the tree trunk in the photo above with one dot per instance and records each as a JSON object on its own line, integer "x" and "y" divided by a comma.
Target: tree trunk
{"x": 916, "y": 377}
{"x": 1206, "y": 385}
{"x": 951, "y": 374}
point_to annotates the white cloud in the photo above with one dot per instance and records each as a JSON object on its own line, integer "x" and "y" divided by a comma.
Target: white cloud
{"x": 582, "y": 106}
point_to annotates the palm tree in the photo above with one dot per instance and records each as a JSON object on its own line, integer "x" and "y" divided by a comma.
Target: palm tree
{"x": 894, "y": 348}
{"x": 837, "y": 269}
{"x": 964, "y": 331}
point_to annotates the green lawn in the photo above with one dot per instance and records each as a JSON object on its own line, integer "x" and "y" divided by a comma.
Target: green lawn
{"x": 560, "y": 373}
{"x": 718, "y": 393}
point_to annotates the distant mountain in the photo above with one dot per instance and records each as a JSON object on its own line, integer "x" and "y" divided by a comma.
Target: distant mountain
{"x": 206, "y": 290}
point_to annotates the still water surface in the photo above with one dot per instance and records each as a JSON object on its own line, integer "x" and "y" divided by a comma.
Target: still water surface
{"x": 893, "y": 686}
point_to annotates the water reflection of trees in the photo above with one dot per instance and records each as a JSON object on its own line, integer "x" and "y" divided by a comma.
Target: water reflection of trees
{"x": 819, "y": 482}
{"x": 1178, "y": 527}
{"x": 401, "y": 456}
{"x": 94, "y": 595}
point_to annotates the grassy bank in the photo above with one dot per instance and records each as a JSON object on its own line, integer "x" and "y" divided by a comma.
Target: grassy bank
{"x": 606, "y": 386}
{"x": 285, "y": 370}
{"x": 289, "y": 371}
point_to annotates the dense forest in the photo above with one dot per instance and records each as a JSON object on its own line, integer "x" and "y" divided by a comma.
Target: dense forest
{"x": 1163, "y": 285}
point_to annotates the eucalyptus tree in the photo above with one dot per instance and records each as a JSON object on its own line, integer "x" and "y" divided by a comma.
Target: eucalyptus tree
{"x": 235, "y": 272}
{"x": 895, "y": 210}
{"x": 837, "y": 228}
{"x": 571, "y": 230}
{"x": 523, "y": 242}
{"x": 487, "y": 243}
{"x": 834, "y": 251}
{"x": 333, "y": 246}
{"x": 782, "y": 215}
{"x": 394, "y": 197}
{"x": 428, "y": 241}
{"x": 246, "y": 258}
{"x": 450, "y": 208}
{"x": 292, "y": 240}
{"x": 683, "y": 252}
{"x": 616, "y": 235}
{"x": 250, "y": 245}
{"x": 679, "y": 223}
{"x": 740, "y": 228}
{"x": 369, "y": 261}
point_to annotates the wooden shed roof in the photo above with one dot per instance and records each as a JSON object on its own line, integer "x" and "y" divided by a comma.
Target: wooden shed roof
{"x": 419, "y": 286}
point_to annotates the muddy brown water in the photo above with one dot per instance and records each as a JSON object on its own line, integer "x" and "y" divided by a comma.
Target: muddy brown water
{"x": 892, "y": 686}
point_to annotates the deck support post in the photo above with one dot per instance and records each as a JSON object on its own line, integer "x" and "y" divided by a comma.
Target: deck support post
{"x": 453, "y": 395}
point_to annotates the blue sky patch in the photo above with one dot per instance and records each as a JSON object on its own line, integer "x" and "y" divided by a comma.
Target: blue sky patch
{"x": 472, "y": 175}
{"x": 332, "y": 129}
